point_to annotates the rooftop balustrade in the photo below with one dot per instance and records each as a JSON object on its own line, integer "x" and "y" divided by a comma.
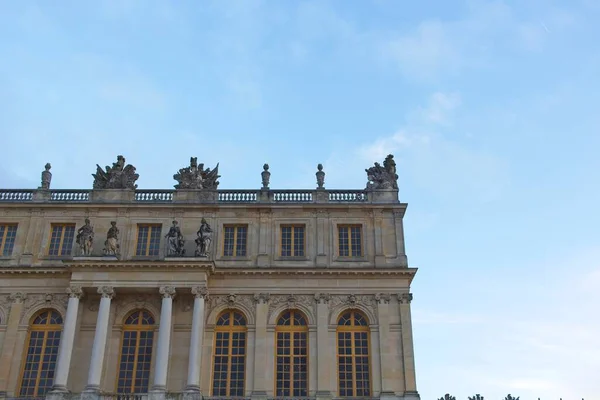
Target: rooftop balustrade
{"x": 220, "y": 196}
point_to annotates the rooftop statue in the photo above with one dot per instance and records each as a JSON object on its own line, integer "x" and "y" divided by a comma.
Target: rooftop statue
{"x": 196, "y": 177}
{"x": 383, "y": 177}
{"x": 119, "y": 176}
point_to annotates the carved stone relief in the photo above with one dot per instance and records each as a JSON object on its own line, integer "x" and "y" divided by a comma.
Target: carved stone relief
{"x": 291, "y": 301}
{"x": 352, "y": 300}
{"x": 231, "y": 301}
{"x": 39, "y": 301}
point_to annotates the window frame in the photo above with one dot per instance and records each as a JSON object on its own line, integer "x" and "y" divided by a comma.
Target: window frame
{"x": 64, "y": 225}
{"x": 148, "y": 239}
{"x": 348, "y": 228}
{"x": 235, "y": 244}
{"x": 291, "y": 329}
{"x": 139, "y": 327}
{"x": 292, "y": 250}
{"x": 353, "y": 329}
{"x": 231, "y": 328}
{"x": 7, "y": 226}
{"x": 46, "y": 328}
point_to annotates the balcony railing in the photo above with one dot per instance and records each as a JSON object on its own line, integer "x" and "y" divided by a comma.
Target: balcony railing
{"x": 227, "y": 196}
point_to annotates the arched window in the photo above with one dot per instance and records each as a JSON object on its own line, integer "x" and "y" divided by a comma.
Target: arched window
{"x": 291, "y": 359}
{"x": 41, "y": 354}
{"x": 136, "y": 353}
{"x": 353, "y": 355}
{"x": 229, "y": 359}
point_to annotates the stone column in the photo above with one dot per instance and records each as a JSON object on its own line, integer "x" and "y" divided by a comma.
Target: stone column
{"x": 95, "y": 372}
{"x": 67, "y": 339}
{"x": 193, "y": 381}
{"x": 164, "y": 340}
{"x": 259, "y": 390}
{"x": 324, "y": 351}
{"x": 10, "y": 339}
{"x": 408, "y": 357}
{"x": 388, "y": 370}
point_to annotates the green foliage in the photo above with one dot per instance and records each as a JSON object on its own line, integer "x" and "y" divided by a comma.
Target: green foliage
{"x": 447, "y": 397}
{"x": 476, "y": 397}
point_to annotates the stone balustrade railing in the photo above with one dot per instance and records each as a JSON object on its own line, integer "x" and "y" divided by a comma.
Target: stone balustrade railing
{"x": 227, "y": 196}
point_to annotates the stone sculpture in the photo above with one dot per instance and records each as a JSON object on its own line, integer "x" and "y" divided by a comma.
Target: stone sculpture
{"x": 203, "y": 240}
{"x": 196, "y": 177}
{"x": 383, "y": 177}
{"x": 175, "y": 242}
{"x": 320, "y": 177}
{"x": 119, "y": 176}
{"x": 111, "y": 245}
{"x": 266, "y": 177}
{"x": 85, "y": 238}
{"x": 46, "y": 177}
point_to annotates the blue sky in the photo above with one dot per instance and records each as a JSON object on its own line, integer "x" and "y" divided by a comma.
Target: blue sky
{"x": 490, "y": 107}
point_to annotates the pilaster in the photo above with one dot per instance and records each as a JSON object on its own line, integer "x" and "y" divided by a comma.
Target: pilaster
{"x": 408, "y": 358}
{"x": 324, "y": 353}
{"x": 259, "y": 390}
{"x": 10, "y": 338}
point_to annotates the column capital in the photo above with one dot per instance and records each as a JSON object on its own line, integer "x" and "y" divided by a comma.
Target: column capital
{"x": 75, "y": 291}
{"x": 405, "y": 298}
{"x": 382, "y": 298}
{"x": 322, "y": 298}
{"x": 107, "y": 292}
{"x": 167, "y": 292}
{"x": 200, "y": 292}
{"x": 17, "y": 297}
{"x": 262, "y": 298}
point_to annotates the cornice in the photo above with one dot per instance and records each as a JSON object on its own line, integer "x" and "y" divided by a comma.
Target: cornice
{"x": 145, "y": 264}
{"x": 34, "y": 271}
{"x": 410, "y": 272}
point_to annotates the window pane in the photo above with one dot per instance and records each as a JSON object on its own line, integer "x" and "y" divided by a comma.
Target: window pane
{"x": 229, "y": 358}
{"x": 41, "y": 354}
{"x": 8, "y": 233}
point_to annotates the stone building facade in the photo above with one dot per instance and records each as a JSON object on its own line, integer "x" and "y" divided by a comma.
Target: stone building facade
{"x": 201, "y": 291}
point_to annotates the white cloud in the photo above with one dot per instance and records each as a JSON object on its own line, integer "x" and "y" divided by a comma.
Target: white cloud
{"x": 427, "y": 153}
